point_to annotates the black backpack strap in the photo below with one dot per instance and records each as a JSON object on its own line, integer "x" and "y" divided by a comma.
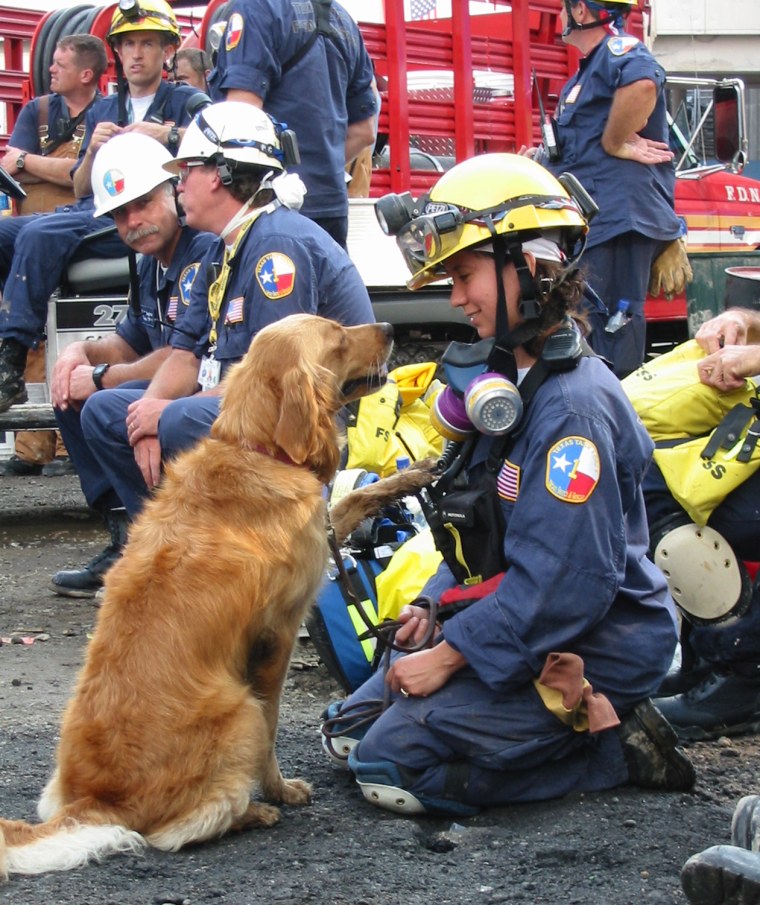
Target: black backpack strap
{"x": 323, "y": 28}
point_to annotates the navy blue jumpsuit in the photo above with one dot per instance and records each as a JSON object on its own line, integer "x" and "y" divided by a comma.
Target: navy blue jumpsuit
{"x": 284, "y": 265}
{"x": 323, "y": 93}
{"x": 578, "y": 581}
{"x": 164, "y": 297}
{"x": 636, "y": 216}
{"x": 36, "y": 250}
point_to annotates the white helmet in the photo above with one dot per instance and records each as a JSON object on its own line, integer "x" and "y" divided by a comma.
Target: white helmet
{"x": 127, "y": 167}
{"x": 231, "y": 131}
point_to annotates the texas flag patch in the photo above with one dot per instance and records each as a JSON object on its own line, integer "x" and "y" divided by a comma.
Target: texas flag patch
{"x": 276, "y": 274}
{"x": 621, "y": 44}
{"x": 113, "y": 182}
{"x": 234, "y": 31}
{"x": 572, "y": 469}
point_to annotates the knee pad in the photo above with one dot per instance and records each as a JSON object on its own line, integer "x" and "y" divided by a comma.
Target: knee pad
{"x": 381, "y": 784}
{"x": 708, "y": 583}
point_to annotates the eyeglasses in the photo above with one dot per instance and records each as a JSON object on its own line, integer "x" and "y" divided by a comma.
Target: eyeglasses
{"x": 186, "y": 165}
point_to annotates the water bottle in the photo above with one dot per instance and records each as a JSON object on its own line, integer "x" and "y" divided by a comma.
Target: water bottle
{"x": 411, "y": 502}
{"x": 619, "y": 318}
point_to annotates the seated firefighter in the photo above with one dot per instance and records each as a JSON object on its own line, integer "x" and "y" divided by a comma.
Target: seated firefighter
{"x": 130, "y": 185}
{"x": 701, "y": 494}
{"x": 41, "y": 152}
{"x": 540, "y": 686}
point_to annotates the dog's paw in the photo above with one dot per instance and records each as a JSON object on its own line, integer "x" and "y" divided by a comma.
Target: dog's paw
{"x": 258, "y": 814}
{"x": 295, "y": 791}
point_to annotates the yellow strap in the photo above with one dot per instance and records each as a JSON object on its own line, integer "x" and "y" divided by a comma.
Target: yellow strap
{"x": 217, "y": 290}
{"x": 360, "y": 627}
{"x": 471, "y": 579}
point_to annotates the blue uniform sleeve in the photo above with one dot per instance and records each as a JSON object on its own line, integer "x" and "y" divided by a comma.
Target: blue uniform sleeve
{"x": 252, "y": 49}
{"x": 25, "y": 135}
{"x": 566, "y": 547}
{"x": 195, "y": 320}
{"x": 634, "y": 65}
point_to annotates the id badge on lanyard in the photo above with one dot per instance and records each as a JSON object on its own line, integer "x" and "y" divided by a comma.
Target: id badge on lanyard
{"x": 210, "y": 372}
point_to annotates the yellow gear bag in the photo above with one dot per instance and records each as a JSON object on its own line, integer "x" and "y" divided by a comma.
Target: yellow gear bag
{"x": 698, "y": 484}
{"x": 674, "y": 404}
{"x": 671, "y": 400}
{"x": 395, "y": 421}
{"x": 406, "y": 574}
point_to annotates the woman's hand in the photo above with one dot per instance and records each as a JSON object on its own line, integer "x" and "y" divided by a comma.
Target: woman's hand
{"x": 425, "y": 671}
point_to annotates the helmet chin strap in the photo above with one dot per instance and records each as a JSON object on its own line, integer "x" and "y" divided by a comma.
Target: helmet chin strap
{"x": 613, "y": 19}
{"x": 502, "y": 357}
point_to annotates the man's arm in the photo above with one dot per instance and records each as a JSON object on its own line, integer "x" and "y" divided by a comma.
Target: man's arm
{"x": 46, "y": 169}
{"x": 176, "y": 377}
{"x": 359, "y": 135}
{"x": 632, "y": 105}
{"x": 82, "y": 175}
{"x": 245, "y": 97}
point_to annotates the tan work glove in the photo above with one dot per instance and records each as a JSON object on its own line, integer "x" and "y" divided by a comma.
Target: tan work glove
{"x": 671, "y": 270}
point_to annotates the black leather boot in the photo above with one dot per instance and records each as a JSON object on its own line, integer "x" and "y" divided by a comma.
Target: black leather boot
{"x": 87, "y": 581}
{"x": 12, "y": 364}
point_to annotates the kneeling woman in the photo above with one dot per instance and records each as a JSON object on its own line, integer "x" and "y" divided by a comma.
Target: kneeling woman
{"x": 540, "y": 686}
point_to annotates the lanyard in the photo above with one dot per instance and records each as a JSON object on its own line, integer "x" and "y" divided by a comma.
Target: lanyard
{"x": 217, "y": 290}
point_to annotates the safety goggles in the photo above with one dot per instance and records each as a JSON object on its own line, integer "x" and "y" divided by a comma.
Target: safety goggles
{"x": 184, "y": 167}
{"x": 436, "y": 234}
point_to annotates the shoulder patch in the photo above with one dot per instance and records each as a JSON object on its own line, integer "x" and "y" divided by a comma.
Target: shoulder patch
{"x": 186, "y": 280}
{"x": 572, "y": 469}
{"x": 276, "y": 274}
{"x": 234, "y": 31}
{"x": 508, "y": 481}
{"x": 621, "y": 44}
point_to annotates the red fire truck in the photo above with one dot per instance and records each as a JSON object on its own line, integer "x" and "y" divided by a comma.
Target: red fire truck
{"x": 452, "y": 87}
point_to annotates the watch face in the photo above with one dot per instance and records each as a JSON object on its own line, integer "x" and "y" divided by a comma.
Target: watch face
{"x": 21, "y": 161}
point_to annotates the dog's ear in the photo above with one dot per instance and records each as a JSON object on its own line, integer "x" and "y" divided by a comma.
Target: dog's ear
{"x": 306, "y": 428}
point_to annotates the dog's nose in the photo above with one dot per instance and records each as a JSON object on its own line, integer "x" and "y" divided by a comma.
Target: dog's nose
{"x": 387, "y": 330}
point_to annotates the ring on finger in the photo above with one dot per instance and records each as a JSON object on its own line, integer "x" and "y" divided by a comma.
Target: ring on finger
{"x": 404, "y": 692}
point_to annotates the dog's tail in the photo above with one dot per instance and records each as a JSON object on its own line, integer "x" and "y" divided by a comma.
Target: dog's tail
{"x": 62, "y": 843}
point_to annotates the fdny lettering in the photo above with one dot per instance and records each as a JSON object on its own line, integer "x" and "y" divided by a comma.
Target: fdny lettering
{"x": 572, "y": 469}
{"x": 742, "y": 193}
{"x": 276, "y": 274}
{"x": 621, "y": 44}
{"x": 234, "y": 31}
{"x": 186, "y": 280}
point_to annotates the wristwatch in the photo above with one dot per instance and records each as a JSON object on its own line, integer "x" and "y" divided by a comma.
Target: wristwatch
{"x": 172, "y": 141}
{"x": 21, "y": 160}
{"x": 98, "y": 372}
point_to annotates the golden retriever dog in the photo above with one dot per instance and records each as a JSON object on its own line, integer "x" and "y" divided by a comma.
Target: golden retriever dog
{"x": 172, "y": 724}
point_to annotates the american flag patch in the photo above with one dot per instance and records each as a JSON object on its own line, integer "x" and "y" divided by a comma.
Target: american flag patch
{"x": 235, "y": 311}
{"x": 171, "y": 311}
{"x": 508, "y": 481}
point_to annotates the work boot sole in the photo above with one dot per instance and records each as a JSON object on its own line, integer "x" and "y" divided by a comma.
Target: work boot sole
{"x": 722, "y": 875}
{"x": 745, "y": 825}
{"x": 20, "y": 397}
{"x": 73, "y": 592}
{"x": 680, "y": 770}
{"x": 698, "y": 734}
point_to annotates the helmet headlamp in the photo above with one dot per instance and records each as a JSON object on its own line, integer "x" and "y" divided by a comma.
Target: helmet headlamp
{"x": 394, "y": 211}
{"x": 131, "y": 11}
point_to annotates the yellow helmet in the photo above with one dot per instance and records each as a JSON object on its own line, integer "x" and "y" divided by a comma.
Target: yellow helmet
{"x": 144, "y": 15}
{"x": 478, "y": 200}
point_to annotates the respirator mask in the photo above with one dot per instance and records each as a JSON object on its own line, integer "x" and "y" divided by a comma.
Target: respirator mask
{"x": 475, "y": 398}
